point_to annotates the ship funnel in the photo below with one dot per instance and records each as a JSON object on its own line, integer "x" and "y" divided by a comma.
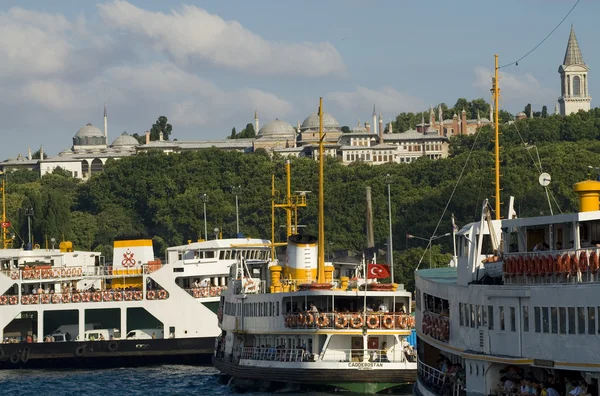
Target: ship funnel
{"x": 589, "y": 195}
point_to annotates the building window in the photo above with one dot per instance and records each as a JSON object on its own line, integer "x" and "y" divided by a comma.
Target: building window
{"x": 96, "y": 165}
{"x": 501, "y": 318}
{"x": 490, "y": 317}
{"x": 545, "y": 320}
{"x": 537, "y": 317}
{"x": 478, "y": 311}
{"x": 460, "y": 314}
{"x": 562, "y": 319}
{"x": 576, "y": 86}
{"x": 513, "y": 325}
{"x": 525, "y": 318}
{"x": 467, "y": 315}
{"x": 554, "y": 320}
{"x": 591, "y": 320}
{"x": 581, "y": 320}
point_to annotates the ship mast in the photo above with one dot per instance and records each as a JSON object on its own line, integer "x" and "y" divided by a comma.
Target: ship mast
{"x": 321, "y": 246}
{"x": 5, "y": 240}
{"x": 496, "y": 93}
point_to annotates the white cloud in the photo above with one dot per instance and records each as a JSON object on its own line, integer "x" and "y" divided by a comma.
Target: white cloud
{"x": 387, "y": 100}
{"x": 515, "y": 90}
{"x": 192, "y": 35}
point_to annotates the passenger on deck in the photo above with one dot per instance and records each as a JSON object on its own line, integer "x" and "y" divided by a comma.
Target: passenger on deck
{"x": 205, "y": 282}
{"x": 384, "y": 349}
{"x": 196, "y": 284}
{"x": 383, "y": 307}
{"x": 558, "y": 246}
{"x": 506, "y": 385}
{"x": 313, "y": 309}
{"x": 550, "y": 391}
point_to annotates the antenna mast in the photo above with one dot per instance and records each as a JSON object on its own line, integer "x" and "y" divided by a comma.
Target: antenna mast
{"x": 321, "y": 259}
{"x": 496, "y": 94}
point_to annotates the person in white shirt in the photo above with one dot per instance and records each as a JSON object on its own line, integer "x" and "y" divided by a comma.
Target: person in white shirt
{"x": 383, "y": 307}
{"x": 506, "y": 384}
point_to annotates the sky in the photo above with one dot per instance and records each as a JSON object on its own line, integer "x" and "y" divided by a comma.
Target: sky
{"x": 208, "y": 65}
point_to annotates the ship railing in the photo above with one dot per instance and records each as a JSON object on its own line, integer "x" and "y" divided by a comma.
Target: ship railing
{"x": 349, "y": 320}
{"x": 436, "y": 326}
{"x": 392, "y": 355}
{"x": 432, "y": 378}
{"x": 556, "y": 266}
{"x": 206, "y": 291}
{"x": 74, "y": 298}
{"x": 274, "y": 354}
{"x": 44, "y": 273}
{"x": 111, "y": 271}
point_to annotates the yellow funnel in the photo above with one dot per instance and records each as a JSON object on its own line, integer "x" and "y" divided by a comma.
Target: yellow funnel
{"x": 589, "y": 195}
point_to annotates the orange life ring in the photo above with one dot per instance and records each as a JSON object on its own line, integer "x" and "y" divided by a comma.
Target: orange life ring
{"x": 45, "y": 298}
{"x": 85, "y": 297}
{"x": 310, "y": 319}
{"x": 45, "y": 274}
{"x": 293, "y": 320}
{"x": 14, "y": 275}
{"x": 357, "y": 321}
{"x": 558, "y": 264}
{"x": 322, "y": 320}
{"x": 56, "y": 298}
{"x": 196, "y": 293}
{"x": 548, "y": 264}
{"x": 25, "y": 300}
{"x": 583, "y": 262}
{"x": 574, "y": 264}
{"x": 97, "y": 297}
{"x": 137, "y": 296}
{"x": 566, "y": 261}
{"x": 128, "y": 295}
{"x": 106, "y": 296}
{"x": 300, "y": 319}
{"x": 536, "y": 270}
{"x": 388, "y": 321}
{"x": 3, "y": 300}
{"x": 341, "y": 321}
{"x": 13, "y": 300}
{"x": 373, "y": 322}
{"x": 118, "y": 296}
{"x": 162, "y": 294}
{"x": 594, "y": 262}
{"x": 520, "y": 265}
{"x": 76, "y": 297}
{"x": 79, "y": 271}
{"x": 66, "y": 298}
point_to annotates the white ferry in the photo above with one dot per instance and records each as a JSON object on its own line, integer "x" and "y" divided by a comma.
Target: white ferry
{"x": 516, "y": 312}
{"x": 63, "y": 307}
{"x": 311, "y": 323}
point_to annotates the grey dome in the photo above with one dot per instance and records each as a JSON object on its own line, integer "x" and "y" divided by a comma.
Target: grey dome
{"x": 312, "y": 122}
{"x": 277, "y": 128}
{"x": 89, "y": 131}
{"x": 125, "y": 140}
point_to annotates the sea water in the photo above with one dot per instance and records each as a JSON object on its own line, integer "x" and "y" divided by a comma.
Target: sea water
{"x": 146, "y": 381}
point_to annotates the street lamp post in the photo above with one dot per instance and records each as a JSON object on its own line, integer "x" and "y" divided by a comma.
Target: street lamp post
{"x": 237, "y": 190}
{"x": 204, "y": 199}
{"x": 388, "y": 181}
{"x": 429, "y": 240}
{"x": 29, "y": 214}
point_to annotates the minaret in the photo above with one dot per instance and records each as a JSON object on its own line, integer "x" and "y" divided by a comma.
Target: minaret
{"x": 478, "y": 119}
{"x": 440, "y": 120}
{"x": 41, "y": 153}
{"x": 374, "y": 120}
{"x": 105, "y": 125}
{"x": 380, "y": 128}
{"x": 573, "y": 79}
{"x": 29, "y": 156}
{"x": 256, "y": 123}
{"x": 391, "y": 128}
{"x": 431, "y": 116}
{"x": 530, "y": 111}
{"x": 556, "y": 111}
{"x": 491, "y": 114}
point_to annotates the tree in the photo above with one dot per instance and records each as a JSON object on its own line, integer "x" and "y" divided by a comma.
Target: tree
{"x": 163, "y": 126}
{"x": 233, "y": 133}
{"x": 36, "y": 155}
{"x": 140, "y": 138}
{"x": 247, "y": 132}
{"x": 527, "y": 109}
{"x": 544, "y": 111}
{"x": 345, "y": 129}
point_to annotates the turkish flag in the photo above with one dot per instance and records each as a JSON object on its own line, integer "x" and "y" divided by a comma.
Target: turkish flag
{"x": 375, "y": 271}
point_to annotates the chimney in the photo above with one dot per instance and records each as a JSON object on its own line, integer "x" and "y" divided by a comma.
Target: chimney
{"x": 463, "y": 122}
{"x": 455, "y": 130}
{"x": 380, "y": 129}
{"x": 161, "y": 136}
{"x": 370, "y": 236}
{"x": 41, "y": 153}
{"x": 390, "y": 128}
{"x": 368, "y": 127}
{"x": 147, "y": 137}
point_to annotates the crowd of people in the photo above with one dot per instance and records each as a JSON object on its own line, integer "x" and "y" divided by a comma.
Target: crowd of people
{"x": 515, "y": 382}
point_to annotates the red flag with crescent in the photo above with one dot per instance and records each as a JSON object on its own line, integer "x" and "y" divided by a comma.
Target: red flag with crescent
{"x": 375, "y": 271}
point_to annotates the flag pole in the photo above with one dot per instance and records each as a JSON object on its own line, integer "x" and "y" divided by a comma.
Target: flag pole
{"x": 454, "y": 229}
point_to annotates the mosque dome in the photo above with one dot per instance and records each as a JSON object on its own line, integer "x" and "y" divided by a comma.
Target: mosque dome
{"x": 277, "y": 128}
{"x": 125, "y": 140}
{"x": 89, "y": 135}
{"x": 358, "y": 128}
{"x": 312, "y": 122}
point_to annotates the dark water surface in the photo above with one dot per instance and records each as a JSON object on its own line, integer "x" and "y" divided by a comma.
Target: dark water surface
{"x": 161, "y": 380}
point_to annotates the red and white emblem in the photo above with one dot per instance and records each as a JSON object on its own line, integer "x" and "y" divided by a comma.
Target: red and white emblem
{"x": 128, "y": 259}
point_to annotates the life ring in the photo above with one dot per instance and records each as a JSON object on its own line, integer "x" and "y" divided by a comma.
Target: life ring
{"x": 14, "y": 275}
{"x": 106, "y": 296}
{"x": 118, "y": 296}
{"x": 536, "y": 270}
{"x": 76, "y": 298}
{"x": 322, "y": 320}
{"x": 78, "y": 272}
{"x": 388, "y": 322}
{"x": 55, "y": 273}
{"x": 15, "y": 357}
{"x": 566, "y": 261}
{"x": 113, "y": 346}
{"x": 128, "y": 295}
{"x": 373, "y": 322}
{"x": 66, "y": 298}
{"x": 310, "y": 319}
{"x": 45, "y": 298}
{"x": 520, "y": 265}
{"x": 558, "y": 264}
{"x": 26, "y": 274}
{"x": 35, "y": 299}
{"x": 85, "y": 297}
{"x": 293, "y": 320}
{"x": 574, "y": 264}
{"x": 549, "y": 264}
{"x": 341, "y": 321}
{"x": 80, "y": 351}
{"x": 45, "y": 274}
{"x": 151, "y": 295}
{"x": 356, "y": 321}
{"x": 162, "y": 294}
{"x": 36, "y": 246}
{"x": 56, "y": 298}
{"x": 594, "y": 262}
{"x": 300, "y": 319}
{"x": 137, "y": 296}
{"x": 24, "y": 300}
{"x": 3, "y": 300}
{"x": 196, "y": 293}
{"x": 583, "y": 262}
{"x": 13, "y": 300}
{"x": 528, "y": 265}
{"x": 97, "y": 297}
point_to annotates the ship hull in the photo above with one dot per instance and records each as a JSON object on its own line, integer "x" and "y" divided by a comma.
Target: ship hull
{"x": 104, "y": 354}
{"x": 270, "y": 378}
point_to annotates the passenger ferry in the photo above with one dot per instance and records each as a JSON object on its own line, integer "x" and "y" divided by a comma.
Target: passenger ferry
{"x": 305, "y": 322}
{"x": 517, "y": 313}
{"x": 64, "y": 307}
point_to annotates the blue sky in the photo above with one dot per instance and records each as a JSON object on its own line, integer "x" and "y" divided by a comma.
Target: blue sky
{"x": 207, "y": 65}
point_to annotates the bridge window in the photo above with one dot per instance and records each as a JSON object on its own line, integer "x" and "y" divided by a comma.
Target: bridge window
{"x": 554, "y": 320}
{"x": 513, "y": 326}
{"x": 501, "y": 318}
{"x": 537, "y": 319}
{"x": 562, "y": 318}
{"x": 491, "y": 317}
{"x": 460, "y": 314}
{"x": 525, "y": 318}
{"x": 571, "y": 320}
{"x": 545, "y": 320}
{"x": 581, "y": 320}
{"x": 591, "y": 320}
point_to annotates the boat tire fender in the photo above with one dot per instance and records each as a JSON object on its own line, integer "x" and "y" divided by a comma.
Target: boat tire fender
{"x": 113, "y": 346}
{"x": 15, "y": 357}
{"x": 80, "y": 351}
{"x": 25, "y": 355}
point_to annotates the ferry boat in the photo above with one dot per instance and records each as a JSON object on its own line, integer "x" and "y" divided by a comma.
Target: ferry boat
{"x": 63, "y": 307}
{"x": 517, "y": 313}
{"x": 309, "y": 323}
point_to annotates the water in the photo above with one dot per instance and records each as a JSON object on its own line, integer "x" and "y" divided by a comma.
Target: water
{"x": 161, "y": 380}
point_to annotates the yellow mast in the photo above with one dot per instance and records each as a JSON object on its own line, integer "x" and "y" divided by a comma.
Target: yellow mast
{"x": 288, "y": 200}
{"x": 273, "y": 216}
{"x": 4, "y": 229}
{"x": 321, "y": 260}
{"x": 496, "y": 93}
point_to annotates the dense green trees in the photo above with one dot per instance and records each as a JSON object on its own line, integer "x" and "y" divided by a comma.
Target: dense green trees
{"x": 161, "y": 125}
{"x": 158, "y": 196}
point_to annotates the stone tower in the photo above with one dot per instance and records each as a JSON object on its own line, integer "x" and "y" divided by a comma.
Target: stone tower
{"x": 256, "y": 123}
{"x": 574, "y": 94}
{"x": 105, "y": 125}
